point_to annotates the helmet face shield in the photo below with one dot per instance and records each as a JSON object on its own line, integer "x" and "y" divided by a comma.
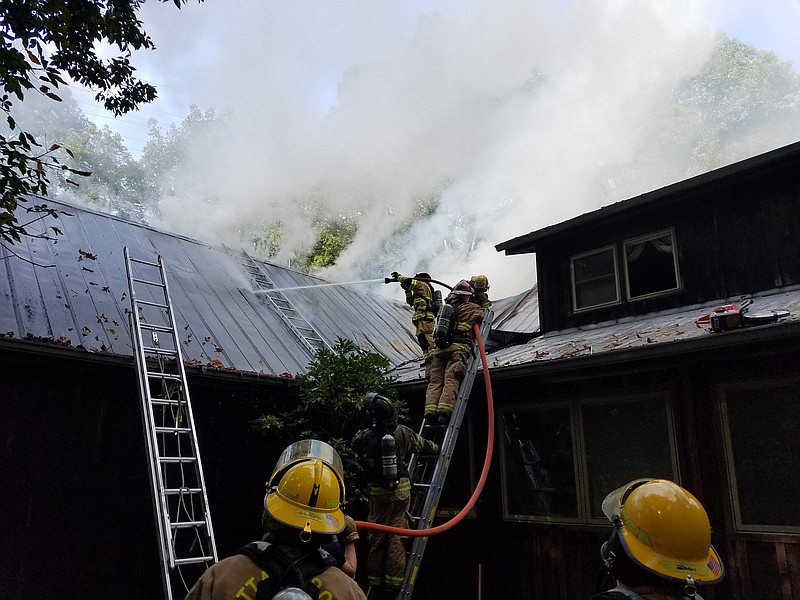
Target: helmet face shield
{"x": 612, "y": 503}
{"x": 305, "y": 449}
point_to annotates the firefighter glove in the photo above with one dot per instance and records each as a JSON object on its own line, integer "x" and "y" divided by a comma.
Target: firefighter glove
{"x": 395, "y": 275}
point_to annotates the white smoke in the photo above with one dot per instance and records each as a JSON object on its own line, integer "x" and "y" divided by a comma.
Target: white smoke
{"x": 510, "y": 113}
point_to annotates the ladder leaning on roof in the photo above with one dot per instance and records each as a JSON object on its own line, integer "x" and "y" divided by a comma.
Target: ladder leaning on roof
{"x": 183, "y": 518}
{"x": 305, "y": 332}
{"x": 428, "y": 473}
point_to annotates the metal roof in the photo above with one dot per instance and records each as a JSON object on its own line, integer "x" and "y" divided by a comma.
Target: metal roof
{"x": 656, "y": 329}
{"x": 517, "y": 314}
{"x": 669, "y": 331}
{"x": 72, "y": 291}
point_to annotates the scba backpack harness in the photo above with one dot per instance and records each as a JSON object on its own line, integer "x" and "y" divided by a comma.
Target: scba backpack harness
{"x": 284, "y": 572}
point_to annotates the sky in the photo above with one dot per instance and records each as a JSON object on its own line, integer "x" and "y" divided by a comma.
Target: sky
{"x": 510, "y": 110}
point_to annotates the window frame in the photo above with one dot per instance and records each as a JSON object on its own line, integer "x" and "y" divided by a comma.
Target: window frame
{"x": 615, "y": 260}
{"x": 666, "y": 397}
{"x": 733, "y": 488}
{"x": 584, "y": 512}
{"x": 504, "y": 490}
{"x": 643, "y": 239}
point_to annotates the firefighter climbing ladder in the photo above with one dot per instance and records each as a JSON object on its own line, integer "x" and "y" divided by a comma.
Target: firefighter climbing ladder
{"x": 183, "y": 519}
{"x": 304, "y": 331}
{"x": 428, "y": 473}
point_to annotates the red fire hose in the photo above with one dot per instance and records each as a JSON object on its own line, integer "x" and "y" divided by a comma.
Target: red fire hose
{"x": 486, "y": 463}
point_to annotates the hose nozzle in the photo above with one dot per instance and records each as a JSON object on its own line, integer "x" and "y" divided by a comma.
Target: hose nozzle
{"x": 388, "y": 280}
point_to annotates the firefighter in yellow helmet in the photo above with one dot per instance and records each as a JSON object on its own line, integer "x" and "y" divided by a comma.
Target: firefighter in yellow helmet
{"x": 480, "y": 289}
{"x": 302, "y": 511}
{"x": 419, "y": 296}
{"x": 661, "y": 544}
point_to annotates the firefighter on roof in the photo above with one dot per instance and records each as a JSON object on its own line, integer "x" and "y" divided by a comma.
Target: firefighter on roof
{"x": 419, "y": 295}
{"x": 453, "y": 337}
{"x": 660, "y": 548}
{"x": 302, "y": 510}
{"x": 387, "y": 446}
{"x": 480, "y": 289}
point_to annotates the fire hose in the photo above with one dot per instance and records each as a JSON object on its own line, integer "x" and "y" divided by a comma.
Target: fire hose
{"x": 484, "y": 474}
{"x": 442, "y": 283}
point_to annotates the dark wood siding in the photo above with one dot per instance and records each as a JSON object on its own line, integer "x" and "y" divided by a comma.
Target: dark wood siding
{"x": 527, "y": 560}
{"x": 733, "y": 239}
{"x": 77, "y": 511}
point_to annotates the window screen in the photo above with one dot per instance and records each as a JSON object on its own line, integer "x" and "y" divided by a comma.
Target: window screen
{"x": 539, "y": 463}
{"x": 763, "y": 451}
{"x": 625, "y": 440}
{"x": 651, "y": 265}
{"x": 594, "y": 279}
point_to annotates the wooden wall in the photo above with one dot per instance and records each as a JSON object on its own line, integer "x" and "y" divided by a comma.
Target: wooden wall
{"x": 739, "y": 237}
{"x": 77, "y": 516}
{"x": 525, "y": 560}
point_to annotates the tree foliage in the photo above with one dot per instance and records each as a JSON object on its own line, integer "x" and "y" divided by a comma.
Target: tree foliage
{"x": 330, "y": 406}
{"x": 42, "y": 42}
{"x": 741, "y": 98}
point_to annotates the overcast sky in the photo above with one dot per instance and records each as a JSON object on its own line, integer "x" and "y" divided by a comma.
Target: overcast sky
{"x": 383, "y": 99}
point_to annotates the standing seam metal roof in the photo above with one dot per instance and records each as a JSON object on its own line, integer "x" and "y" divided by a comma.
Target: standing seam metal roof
{"x": 73, "y": 291}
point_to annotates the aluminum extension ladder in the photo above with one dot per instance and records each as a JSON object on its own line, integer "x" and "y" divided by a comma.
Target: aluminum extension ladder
{"x": 305, "y": 332}
{"x": 428, "y": 473}
{"x": 183, "y": 519}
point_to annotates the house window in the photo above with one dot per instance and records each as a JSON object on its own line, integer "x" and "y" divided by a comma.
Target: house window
{"x": 595, "y": 280}
{"x": 761, "y": 426}
{"x": 559, "y": 461}
{"x": 539, "y": 458}
{"x": 651, "y": 265}
{"x": 625, "y": 440}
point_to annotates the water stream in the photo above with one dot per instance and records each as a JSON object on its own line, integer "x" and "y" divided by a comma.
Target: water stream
{"x": 318, "y": 285}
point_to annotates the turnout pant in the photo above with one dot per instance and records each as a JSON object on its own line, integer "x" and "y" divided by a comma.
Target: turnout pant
{"x": 446, "y": 371}
{"x": 386, "y": 562}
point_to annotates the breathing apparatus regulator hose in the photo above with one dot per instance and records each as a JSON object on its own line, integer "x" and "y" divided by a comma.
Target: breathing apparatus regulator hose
{"x": 487, "y": 461}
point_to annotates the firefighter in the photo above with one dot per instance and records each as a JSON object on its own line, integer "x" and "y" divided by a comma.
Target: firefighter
{"x": 302, "y": 510}
{"x": 387, "y": 446}
{"x": 419, "y": 295}
{"x": 660, "y": 547}
{"x": 454, "y": 345}
{"x": 480, "y": 289}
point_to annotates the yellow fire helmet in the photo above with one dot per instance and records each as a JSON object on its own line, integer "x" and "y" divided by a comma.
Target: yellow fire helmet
{"x": 307, "y": 492}
{"x": 665, "y": 530}
{"x": 480, "y": 282}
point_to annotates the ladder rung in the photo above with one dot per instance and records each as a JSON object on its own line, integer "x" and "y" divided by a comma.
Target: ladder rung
{"x": 177, "y": 459}
{"x": 173, "y": 430}
{"x": 196, "y": 559}
{"x": 148, "y": 282}
{"x": 152, "y": 327}
{"x": 148, "y": 303}
{"x": 167, "y": 376}
{"x": 187, "y": 524}
{"x": 162, "y": 351}
{"x": 167, "y": 402}
{"x": 143, "y": 262}
{"x": 176, "y": 491}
